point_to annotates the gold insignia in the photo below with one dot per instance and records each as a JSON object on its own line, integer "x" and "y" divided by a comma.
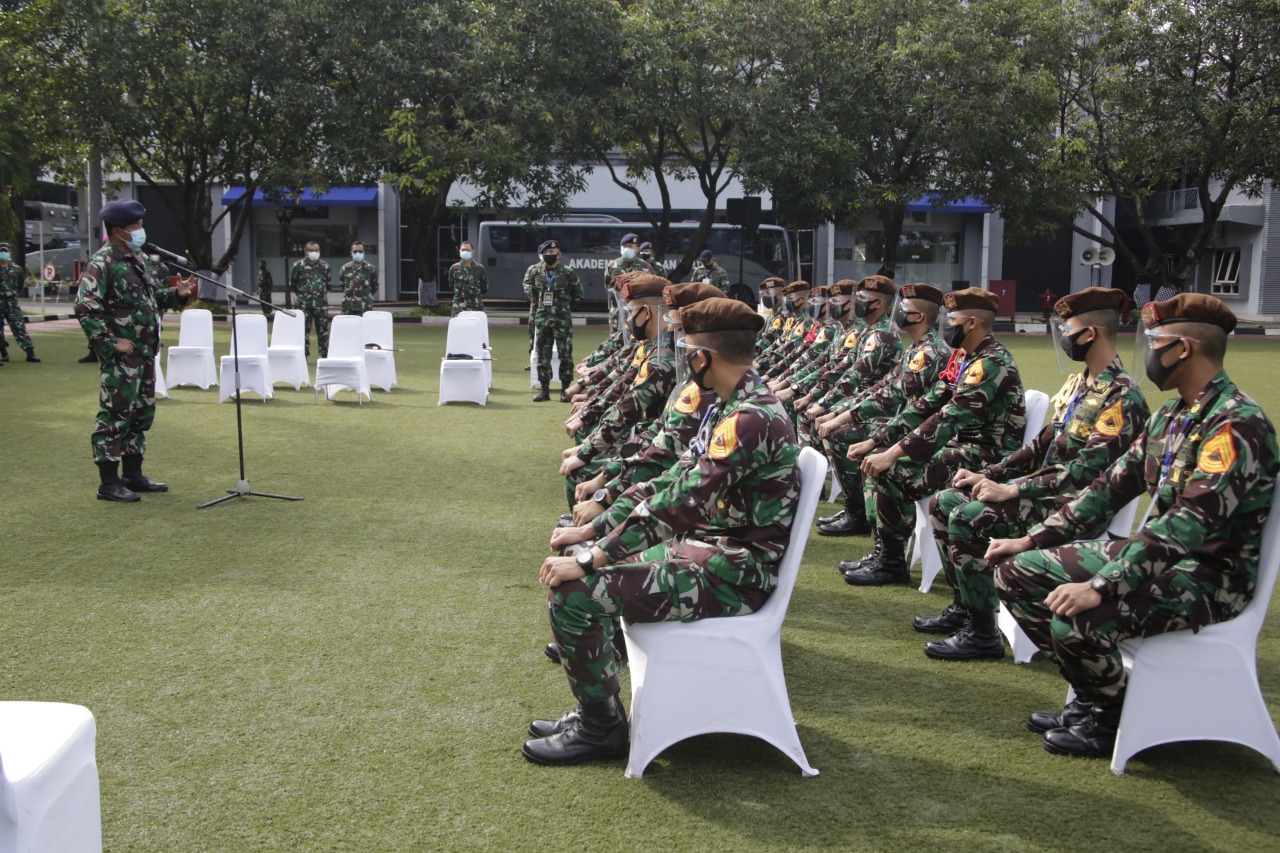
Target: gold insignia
{"x": 1111, "y": 421}
{"x": 917, "y": 361}
{"x": 725, "y": 439}
{"x": 1218, "y": 453}
{"x": 871, "y": 344}
{"x": 975, "y": 374}
{"x": 639, "y": 356}
{"x": 643, "y": 374}
{"x": 690, "y": 399}
{"x": 821, "y": 338}
{"x": 851, "y": 340}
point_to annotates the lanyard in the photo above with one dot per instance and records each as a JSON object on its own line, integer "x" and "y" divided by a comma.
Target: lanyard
{"x": 1066, "y": 419}
{"x": 1164, "y": 467}
{"x": 703, "y": 438}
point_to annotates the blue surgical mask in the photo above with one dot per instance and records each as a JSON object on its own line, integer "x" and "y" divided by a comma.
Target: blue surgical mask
{"x": 137, "y": 238}
{"x": 4, "y": 256}
{"x": 357, "y": 256}
{"x": 628, "y": 253}
{"x": 465, "y": 255}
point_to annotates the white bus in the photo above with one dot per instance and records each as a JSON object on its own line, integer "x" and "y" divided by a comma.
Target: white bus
{"x": 590, "y": 241}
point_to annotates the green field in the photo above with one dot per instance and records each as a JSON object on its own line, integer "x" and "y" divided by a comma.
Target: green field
{"x": 356, "y": 671}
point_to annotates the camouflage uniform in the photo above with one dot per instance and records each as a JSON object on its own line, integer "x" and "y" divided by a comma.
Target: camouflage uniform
{"x": 1100, "y": 419}
{"x": 617, "y": 267}
{"x": 121, "y": 297}
{"x": 711, "y": 275}
{"x": 552, "y": 294}
{"x": 265, "y": 287}
{"x": 359, "y": 284}
{"x": 310, "y": 283}
{"x": 12, "y": 280}
{"x": 703, "y": 539}
{"x": 655, "y": 450}
{"x": 1211, "y": 470}
{"x": 469, "y": 283}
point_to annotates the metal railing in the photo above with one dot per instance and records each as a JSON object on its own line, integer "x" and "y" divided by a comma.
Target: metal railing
{"x": 1174, "y": 201}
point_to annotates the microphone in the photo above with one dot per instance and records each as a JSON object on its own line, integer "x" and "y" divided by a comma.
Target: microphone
{"x": 152, "y": 248}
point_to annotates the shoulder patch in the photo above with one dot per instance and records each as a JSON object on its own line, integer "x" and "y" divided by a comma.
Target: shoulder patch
{"x": 639, "y": 357}
{"x": 642, "y": 374}
{"x": 1111, "y": 421}
{"x": 690, "y": 399}
{"x": 851, "y": 339}
{"x": 975, "y": 374}
{"x": 918, "y": 360}
{"x": 725, "y": 439}
{"x": 821, "y": 338}
{"x": 1218, "y": 454}
{"x": 871, "y": 344}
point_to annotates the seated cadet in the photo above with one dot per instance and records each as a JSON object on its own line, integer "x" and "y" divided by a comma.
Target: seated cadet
{"x": 1103, "y": 412}
{"x": 972, "y": 421}
{"x": 702, "y": 540}
{"x": 778, "y": 355}
{"x": 1208, "y": 458}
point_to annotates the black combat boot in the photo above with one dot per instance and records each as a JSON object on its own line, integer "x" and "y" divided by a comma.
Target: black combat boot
{"x": 4, "y": 350}
{"x": 831, "y": 519}
{"x": 112, "y": 489}
{"x": 564, "y": 398}
{"x": 847, "y": 566}
{"x": 979, "y": 639}
{"x": 552, "y": 651}
{"x": 853, "y": 523}
{"x": 947, "y": 622}
{"x": 543, "y": 396}
{"x": 1046, "y": 721}
{"x": 599, "y": 734}
{"x": 31, "y": 356}
{"x": 136, "y": 480}
{"x": 91, "y": 358}
{"x": 1092, "y": 737}
{"x": 890, "y": 567}
{"x": 547, "y": 728}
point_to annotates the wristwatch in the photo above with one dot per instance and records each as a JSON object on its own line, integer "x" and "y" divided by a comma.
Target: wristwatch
{"x": 1101, "y": 585}
{"x": 601, "y": 497}
{"x": 586, "y": 560}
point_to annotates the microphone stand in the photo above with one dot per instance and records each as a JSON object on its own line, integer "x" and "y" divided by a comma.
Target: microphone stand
{"x": 242, "y": 489}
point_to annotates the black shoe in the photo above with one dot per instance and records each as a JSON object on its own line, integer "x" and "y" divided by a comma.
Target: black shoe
{"x": 543, "y": 396}
{"x": 601, "y": 733}
{"x": 972, "y": 642}
{"x": 117, "y": 491}
{"x": 552, "y": 651}
{"x": 832, "y": 519}
{"x": 1046, "y": 721}
{"x": 889, "y": 567}
{"x": 31, "y": 356}
{"x": 142, "y": 483}
{"x": 527, "y": 368}
{"x": 850, "y": 525}
{"x": 1092, "y": 737}
{"x": 91, "y": 358}
{"x": 547, "y": 728}
{"x": 947, "y": 622}
{"x": 564, "y": 398}
{"x": 847, "y": 566}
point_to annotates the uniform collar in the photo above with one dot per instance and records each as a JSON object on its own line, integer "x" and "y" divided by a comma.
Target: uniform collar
{"x": 1217, "y": 386}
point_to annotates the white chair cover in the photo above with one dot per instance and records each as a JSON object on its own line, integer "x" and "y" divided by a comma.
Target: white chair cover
{"x": 191, "y": 361}
{"x": 380, "y": 363}
{"x": 488, "y": 350}
{"x": 344, "y": 367}
{"x": 162, "y": 390}
{"x": 49, "y": 798}
{"x": 721, "y": 675}
{"x": 287, "y": 354}
{"x": 255, "y": 366}
{"x": 464, "y": 379}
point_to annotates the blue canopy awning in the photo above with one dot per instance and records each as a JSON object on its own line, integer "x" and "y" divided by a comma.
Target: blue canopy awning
{"x": 333, "y": 197}
{"x": 970, "y": 204}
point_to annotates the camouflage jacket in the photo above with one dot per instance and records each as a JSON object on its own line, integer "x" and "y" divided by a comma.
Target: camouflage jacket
{"x": 656, "y": 449}
{"x": 1102, "y": 419}
{"x": 359, "y": 284}
{"x": 817, "y": 344}
{"x": 615, "y": 268}
{"x": 615, "y": 385}
{"x": 711, "y": 275}
{"x": 775, "y": 336}
{"x": 638, "y": 404}
{"x": 983, "y": 406}
{"x": 608, "y": 347}
{"x": 469, "y": 283}
{"x": 736, "y": 497}
{"x": 909, "y": 380}
{"x": 12, "y": 279}
{"x": 842, "y": 356}
{"x": 833, "y": 351}
{"x": 265, "y": 284}
{"x": 879, "y": 349}
{"x": 552, "y": 293}
{"x": 121, "y": 297}
{"x": 786, "y": 349}
{"x": 611, "y": 365}
{"x": 1211, "y": 470}
{"x": 310, "y": 283}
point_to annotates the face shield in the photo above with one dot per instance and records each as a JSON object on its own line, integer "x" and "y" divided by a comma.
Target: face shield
{"x": 636, "y": 319}
{"x": 795, "y": 303}
{"x": 865, "y": 303}
{"x": 768, "y": 299}
{"x": 955, "y": 327}
{"x": 840, "y": 308}
{"x": 815, "y": 308}
{"x": 906, "y": 317}
{"x": 1067, "y": 343}
{"x": 674, "y": 333}
{"x": 1065, "y": 365}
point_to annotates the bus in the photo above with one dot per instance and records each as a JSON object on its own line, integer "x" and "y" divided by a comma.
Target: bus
{"x": 590, "y": 241}
{"x": 54, "y": 235}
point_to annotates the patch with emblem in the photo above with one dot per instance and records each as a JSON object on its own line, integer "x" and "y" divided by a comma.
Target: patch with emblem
{"x": 975, "y": 374}
{"x": 690, "y": 399}
{"x": 643, "y": 373}
{"x": 1063, "y": 309}
{"x": 1111, "y": 421}
{"x": 851, "y": 340}
{"x": 871, "y": 344}
{"x": 1150, "y": 316}
{"x": 639, "y": 357}
{"x": 1218, "y": 454}
{"x": 821, "y": 338}
{"x": 725, "y": 439}
{"x": 917, "y": 361}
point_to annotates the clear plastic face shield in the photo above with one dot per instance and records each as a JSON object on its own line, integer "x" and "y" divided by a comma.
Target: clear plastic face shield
{"x": 951, "y": 322}
{"x": 816, "y": 307}
{"x": 866, "y": 303}
{"x": 768, "y": 298}
{"x": 1068, "y": 337}
{"x": 686, "y": 350}
{"x": 840, "y": 307}
{"x": 907, "y": 316}
{"x": 673, "y": 333}
{"x": 614, "y": 300}
{"x": 796, "y": 303}
{"x": 636, "y": 318}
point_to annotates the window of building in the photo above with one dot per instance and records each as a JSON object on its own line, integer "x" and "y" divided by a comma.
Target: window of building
{"x": 1226, "y": 273}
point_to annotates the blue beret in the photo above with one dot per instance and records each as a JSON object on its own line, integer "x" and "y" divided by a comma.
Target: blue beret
{"x": 706, "y": 255}
{"x": 550, "y": 244}
{"x": 629, "y": 238}
{"x": 644, "y": 246}
{"x": 123, "y": 212}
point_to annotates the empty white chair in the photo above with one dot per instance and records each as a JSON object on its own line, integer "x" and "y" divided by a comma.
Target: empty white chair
{"x": 464, "y": 378}
{"x": 724, "y": 674}
{"x": 380, "y": 363}
{"x": 249, "y": 350}
{"x": 287, "y": 355}
{"x": 488, "y": 350}
{"x": 49, "y": 799}
{"x": 344, "y": 367}
{"x": 162, "y": 390}
{"x": 191, "y": 361}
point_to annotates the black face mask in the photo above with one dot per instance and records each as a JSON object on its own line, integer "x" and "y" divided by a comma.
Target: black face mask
{"x": 636, "y": 330}
{"x": 550, "y": 260}
{"x": 900, "y": 317}
{"x": 646, "y": 256}
{"x": 1075, "y": 350}
{"x": 837, "y": 311}
{"x": 815, "y": 310}
{"x": 863, "y": 307}
{"x": 768, "y": 302}
{"x": 1157, "y": 372}
{"x": 699, "y": 377}
{"x": 954, "y": 335}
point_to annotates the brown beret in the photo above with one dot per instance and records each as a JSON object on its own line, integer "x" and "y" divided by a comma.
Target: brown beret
{"x": 1089, "y": 299}
{"x": 879, "y": 284}
{"x": 820, "y": 290}
{"x": 1189, "y": 308}
{"x": 921, "y": 291}
{"x": 644, "y": 286}
{"x": 770, "y": 282}
{"x": 689, "y": 292}
{"x": 846, "y": 286}
{"x": 796, "y": 287}
{"x": 971, "y": 299}
{"x": 720, "y": 314}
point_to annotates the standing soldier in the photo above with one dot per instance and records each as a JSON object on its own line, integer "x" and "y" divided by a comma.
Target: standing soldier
{"x": 265, "y": 286}
{"x": 553, "y": 289}
{"x": 309, "y": 280}
{"x": 359, "y": 283}
{"x": 646, "y": 255}
{"x": 118, "y": 305}
{"x": 706, "y": 270}
{"x": 628, "y": 263}
{"x": 12, "y": 279}
{"x": 1208, "y": 459}
{"x": 468, "y": 281}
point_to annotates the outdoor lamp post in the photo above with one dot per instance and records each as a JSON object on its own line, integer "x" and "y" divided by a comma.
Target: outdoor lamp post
{"x": 284, "y": 216}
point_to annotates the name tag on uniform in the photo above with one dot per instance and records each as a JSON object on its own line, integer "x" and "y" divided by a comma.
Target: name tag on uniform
{"x": 547, "y": 298}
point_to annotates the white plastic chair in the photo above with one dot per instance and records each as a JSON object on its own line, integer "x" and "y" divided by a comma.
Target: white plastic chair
{"x": 464, "y": 378}
{"x": 49, "y": 799}
{"x": 191, "y": 361}
{"x": 287, "y": 355}
{"x": 344, "y": 367}
{"x": 380, "y": 363}
{"x": 487, "y": 357}
{"x": 721, "y": 675}
{"x": 250, "y": 333}
{"x": 162, "y": 390}
{"x": 926, "y": 547}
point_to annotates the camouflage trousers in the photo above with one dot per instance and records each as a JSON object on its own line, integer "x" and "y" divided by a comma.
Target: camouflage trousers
{"x": 837, "y": 445}
{"x": 126, "y": 406}
{"x": 666, "y": 583}
{"x": 1087, "y": 646}
{"x": 318, "y": 317}
{"x": 267, "y": 308}
{"x": 357, "y": 306}
{"x": 11, "y": 313}
{"x": 963, "y": 527}
{"x": 467, "y": 300}
{"x": 892, "y": 495}
{"x": 560, "y": 335}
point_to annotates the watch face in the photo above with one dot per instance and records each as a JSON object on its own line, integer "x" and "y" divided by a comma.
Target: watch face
{"x": 598, "y": 497}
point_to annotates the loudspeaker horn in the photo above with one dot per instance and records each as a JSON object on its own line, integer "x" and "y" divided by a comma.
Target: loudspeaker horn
{"x": 1089, "y": 256}
{"x": 1106, "y": 256}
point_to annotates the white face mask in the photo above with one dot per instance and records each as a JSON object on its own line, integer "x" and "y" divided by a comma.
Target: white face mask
{"x": 465, "y": 255}
{"x": 355, "y": 256}
{"x": 313, "y": 256}
{"x": 628, "y": 253}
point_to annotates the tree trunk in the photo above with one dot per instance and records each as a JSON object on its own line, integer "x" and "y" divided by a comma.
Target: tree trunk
{"x": 891, "y": 218}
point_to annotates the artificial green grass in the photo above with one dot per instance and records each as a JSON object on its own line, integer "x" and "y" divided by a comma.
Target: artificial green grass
{"x": 356, "y": 671}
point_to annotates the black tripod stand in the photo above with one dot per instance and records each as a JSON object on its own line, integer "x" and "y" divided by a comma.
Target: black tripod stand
{"x": 242, "y": 489}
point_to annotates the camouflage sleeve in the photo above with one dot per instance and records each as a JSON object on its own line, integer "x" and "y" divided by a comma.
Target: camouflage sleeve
{"x": 91, "y": 309}
{"x": 483, "y": 277}
{"x": 915, "y": 413}
{"x": 1025, "y": 459}
{"x": 656, "y": 457}
{"x": 528, "y": 283}
{"x": 648, "y": 392}
{"x": 982, "y": 382}
{"x": 575, "y": 287}
{"x": 1117, "y": 426}
{"x": 1089, "y": 513}
{"x": 882, "y": 400}
{"x": 328, "y": 273}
